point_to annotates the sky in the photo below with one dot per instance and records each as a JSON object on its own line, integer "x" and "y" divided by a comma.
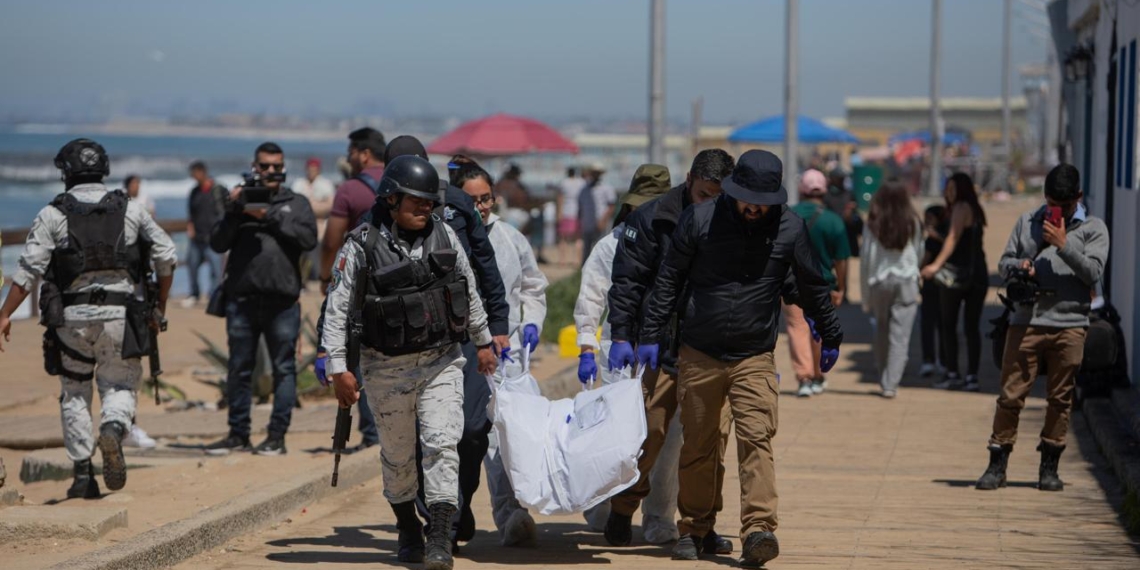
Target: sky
{"x": 568, "y": 59}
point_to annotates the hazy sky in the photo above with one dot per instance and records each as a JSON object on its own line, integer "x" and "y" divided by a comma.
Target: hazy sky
{"x": 543, "y": 58}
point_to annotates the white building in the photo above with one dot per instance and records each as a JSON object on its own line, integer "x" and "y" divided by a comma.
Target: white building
{"x": 1096, "y": 42}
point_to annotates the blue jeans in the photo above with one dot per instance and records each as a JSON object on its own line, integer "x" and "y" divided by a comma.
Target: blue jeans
{"x": 196, "y": 255}
{"x": 247, "y": 318}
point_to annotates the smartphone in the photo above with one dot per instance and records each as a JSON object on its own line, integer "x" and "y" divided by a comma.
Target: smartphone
{"x": 1053, "y": 215}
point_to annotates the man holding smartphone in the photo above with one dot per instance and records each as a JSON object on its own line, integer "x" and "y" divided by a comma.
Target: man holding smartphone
{"x": 1055, "y": 255}
{"x": 266, "y": 230}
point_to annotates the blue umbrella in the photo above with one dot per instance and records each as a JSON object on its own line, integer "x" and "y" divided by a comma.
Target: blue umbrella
{"x": 949, "y": 137}
{"x": 771, "y": 130}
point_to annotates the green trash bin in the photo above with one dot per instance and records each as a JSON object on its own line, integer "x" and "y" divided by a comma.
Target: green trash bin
{"x": 865, "y": 181}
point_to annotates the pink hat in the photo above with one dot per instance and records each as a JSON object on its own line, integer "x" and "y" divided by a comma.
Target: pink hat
{"x": 813, "y": 183}
{"x": 314, "y": 161}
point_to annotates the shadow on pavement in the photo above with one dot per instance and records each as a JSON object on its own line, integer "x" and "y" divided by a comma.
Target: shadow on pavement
{"x": 962, "y": 483}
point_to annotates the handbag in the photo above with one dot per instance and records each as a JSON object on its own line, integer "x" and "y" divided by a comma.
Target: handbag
{"x": 951, "y": 276}
{"x": 217, "y": 305}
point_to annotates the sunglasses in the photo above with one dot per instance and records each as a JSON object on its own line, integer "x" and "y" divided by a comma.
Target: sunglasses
{"x": 278, "y": 166}
{"x": 484, "y": 199}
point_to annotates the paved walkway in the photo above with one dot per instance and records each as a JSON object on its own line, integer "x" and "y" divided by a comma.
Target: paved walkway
{"x": 864, "y": 483}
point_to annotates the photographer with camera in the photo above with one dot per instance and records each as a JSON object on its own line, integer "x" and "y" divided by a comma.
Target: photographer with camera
{"x": 1054, "y": 257}
{"x": 266, "y": 230}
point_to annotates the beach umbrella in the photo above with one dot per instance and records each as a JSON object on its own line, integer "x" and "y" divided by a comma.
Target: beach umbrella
{"x": 502, "y": 135}
{"x": 771, "y": 130}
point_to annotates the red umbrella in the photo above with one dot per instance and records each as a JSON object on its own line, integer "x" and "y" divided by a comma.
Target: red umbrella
{"x": 502, "y": 135}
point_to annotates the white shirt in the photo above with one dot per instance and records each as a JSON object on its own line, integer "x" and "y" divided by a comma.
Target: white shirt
{"x": 318, "y": 190}
{"x": 525, "y": 284}
{"x": 570, "y": 188}
{"x": 604, "y": 197}
{"x": 877, "y": 263}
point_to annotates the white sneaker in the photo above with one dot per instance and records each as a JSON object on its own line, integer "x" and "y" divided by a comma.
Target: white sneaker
{"x": 520, "y": 529}
{"x": 138, "y": 438}
{"x": 189, "y": 303}
{"x": 888, "y": 394}
{"x": 597, "y": 516}
{"x": 657, "y": 530}
{"x": 818, "y": 386}
{"x": 805, "y": 390}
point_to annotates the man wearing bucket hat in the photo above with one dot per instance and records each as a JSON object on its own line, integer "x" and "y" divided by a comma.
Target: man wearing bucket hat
{"x": 828, "y": 237}
{"x": 733, "y": 255}
{"x": 640, "y": 253}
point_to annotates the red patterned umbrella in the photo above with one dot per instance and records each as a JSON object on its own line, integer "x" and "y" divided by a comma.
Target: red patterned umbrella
{"x": 502, "y": 135}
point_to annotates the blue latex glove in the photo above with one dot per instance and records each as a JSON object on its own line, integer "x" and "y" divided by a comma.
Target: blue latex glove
{"x": 811, "y": 326}
{"x": 319, "y": 368}
{"x": 621, "y": 355}
{"x": 587, "y": 367}
{"x": 647, "y": 355}
{"x": 506, "y": 355}
{"x": 828, "y": 358}
{"x": 530, "y": 337}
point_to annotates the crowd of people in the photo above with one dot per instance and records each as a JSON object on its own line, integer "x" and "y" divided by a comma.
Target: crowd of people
{"x": 428, "y": 292}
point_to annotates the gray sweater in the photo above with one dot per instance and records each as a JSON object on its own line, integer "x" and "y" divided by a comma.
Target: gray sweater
{"x": 1070, "y": 273}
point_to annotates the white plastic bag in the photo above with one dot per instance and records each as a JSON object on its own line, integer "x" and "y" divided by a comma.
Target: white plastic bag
{"x": 568, "y": 455}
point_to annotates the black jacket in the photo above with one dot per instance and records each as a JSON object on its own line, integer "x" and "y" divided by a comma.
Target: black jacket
{"x": 459, "y": 212}
{"x": 736, "y": 275}
{"x": 640, "y": 252}
{"x": 265, "y": 255}
{"x": 205, "y": 209}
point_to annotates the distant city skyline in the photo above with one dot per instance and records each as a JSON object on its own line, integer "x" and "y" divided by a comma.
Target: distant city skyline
{"x": 69, "y": 60}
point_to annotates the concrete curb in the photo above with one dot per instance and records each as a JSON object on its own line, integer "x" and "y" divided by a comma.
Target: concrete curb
{"x": 1118, "y": 444}
{"x": 177, "y": 541}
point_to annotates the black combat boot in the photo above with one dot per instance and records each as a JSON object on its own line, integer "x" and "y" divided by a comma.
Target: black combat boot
{"x": 84, "y": 486}
{"x": 439, "y": 539}
{"x": 619, "y": 529}
{"x": 1047, "y": 479}
{"x": 994, "y": 477}
{"x": 111, "y": 446}
{"x": 411, "y": 541}
{"x": 759, "y": 547}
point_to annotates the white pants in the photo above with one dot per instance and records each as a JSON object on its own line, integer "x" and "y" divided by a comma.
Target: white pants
{"x": 427, "y": 387}
{"x": 117, "y": 378}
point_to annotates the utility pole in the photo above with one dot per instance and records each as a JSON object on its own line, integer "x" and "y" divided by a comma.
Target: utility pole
{"x": 791, "y": 101}
{"x": 1006, "y": 72}
{"x": 695, "y": 127}
{"x": 935, "y": 186}
{"x": 657, "y": 82}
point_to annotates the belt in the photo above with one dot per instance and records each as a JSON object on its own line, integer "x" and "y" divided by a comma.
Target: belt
{"x": 97, "y": 297}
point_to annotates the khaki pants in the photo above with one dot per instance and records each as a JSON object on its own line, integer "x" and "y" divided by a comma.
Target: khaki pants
{"x": 1025, "y": 348}
{"x": 750, "y": 387}
{"x": 805, "y": 351}
{"x": 661, "y": 403}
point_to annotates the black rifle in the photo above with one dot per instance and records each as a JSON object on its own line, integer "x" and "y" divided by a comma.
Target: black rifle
{"x": 156, "y": 322}
{"x": 343, "y": 428}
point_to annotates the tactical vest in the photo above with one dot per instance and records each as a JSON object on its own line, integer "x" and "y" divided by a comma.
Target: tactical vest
{"x": 409, "y": 305}
{"x": 96, "y": 239}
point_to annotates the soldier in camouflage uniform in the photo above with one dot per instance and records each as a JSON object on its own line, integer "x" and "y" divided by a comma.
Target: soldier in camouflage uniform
{"x": 412, "y": 298}
{"x": 86, "y": 247}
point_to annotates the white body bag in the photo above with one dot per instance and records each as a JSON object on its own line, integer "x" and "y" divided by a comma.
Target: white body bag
{"x": 566, "y": 456}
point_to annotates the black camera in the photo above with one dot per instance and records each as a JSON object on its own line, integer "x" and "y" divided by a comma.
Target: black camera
{"x": 1021, "y": 288}
{"x": 254, "y": 195}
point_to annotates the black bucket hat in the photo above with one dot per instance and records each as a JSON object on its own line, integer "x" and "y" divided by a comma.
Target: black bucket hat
{"x": 757, "y": 179}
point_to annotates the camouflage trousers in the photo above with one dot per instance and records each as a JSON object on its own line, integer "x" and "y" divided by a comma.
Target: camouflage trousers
{"x": 100, "y": 343}
{"x": 427, "y": 388}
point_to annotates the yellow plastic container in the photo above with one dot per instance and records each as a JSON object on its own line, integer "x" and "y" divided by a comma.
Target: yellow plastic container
{"x": 568, "y": 341}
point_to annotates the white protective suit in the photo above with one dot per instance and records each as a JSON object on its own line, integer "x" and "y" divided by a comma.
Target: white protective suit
{"x": 525, "y": 285}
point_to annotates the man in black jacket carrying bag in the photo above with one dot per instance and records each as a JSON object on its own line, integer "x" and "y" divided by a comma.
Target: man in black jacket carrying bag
{"x": 263, "y": 284}
{"x": 733, "y": 254}
{"x": 640, "y": 252}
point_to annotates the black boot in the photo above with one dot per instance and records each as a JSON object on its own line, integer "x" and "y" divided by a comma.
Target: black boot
{"x": 84, "y": 486}
{"x": 759, "y": 547}
{"x": 111, "y": 446}
{"x": 411, "y": 541}
{"x": 994, "y": 477}
{"x": 1047, "y": 479}
{"x": 619, "y": 529}
{"x": 439, "y": 539}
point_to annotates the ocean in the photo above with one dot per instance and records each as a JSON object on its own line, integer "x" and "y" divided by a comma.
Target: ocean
{"x": 29, "y": 180}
